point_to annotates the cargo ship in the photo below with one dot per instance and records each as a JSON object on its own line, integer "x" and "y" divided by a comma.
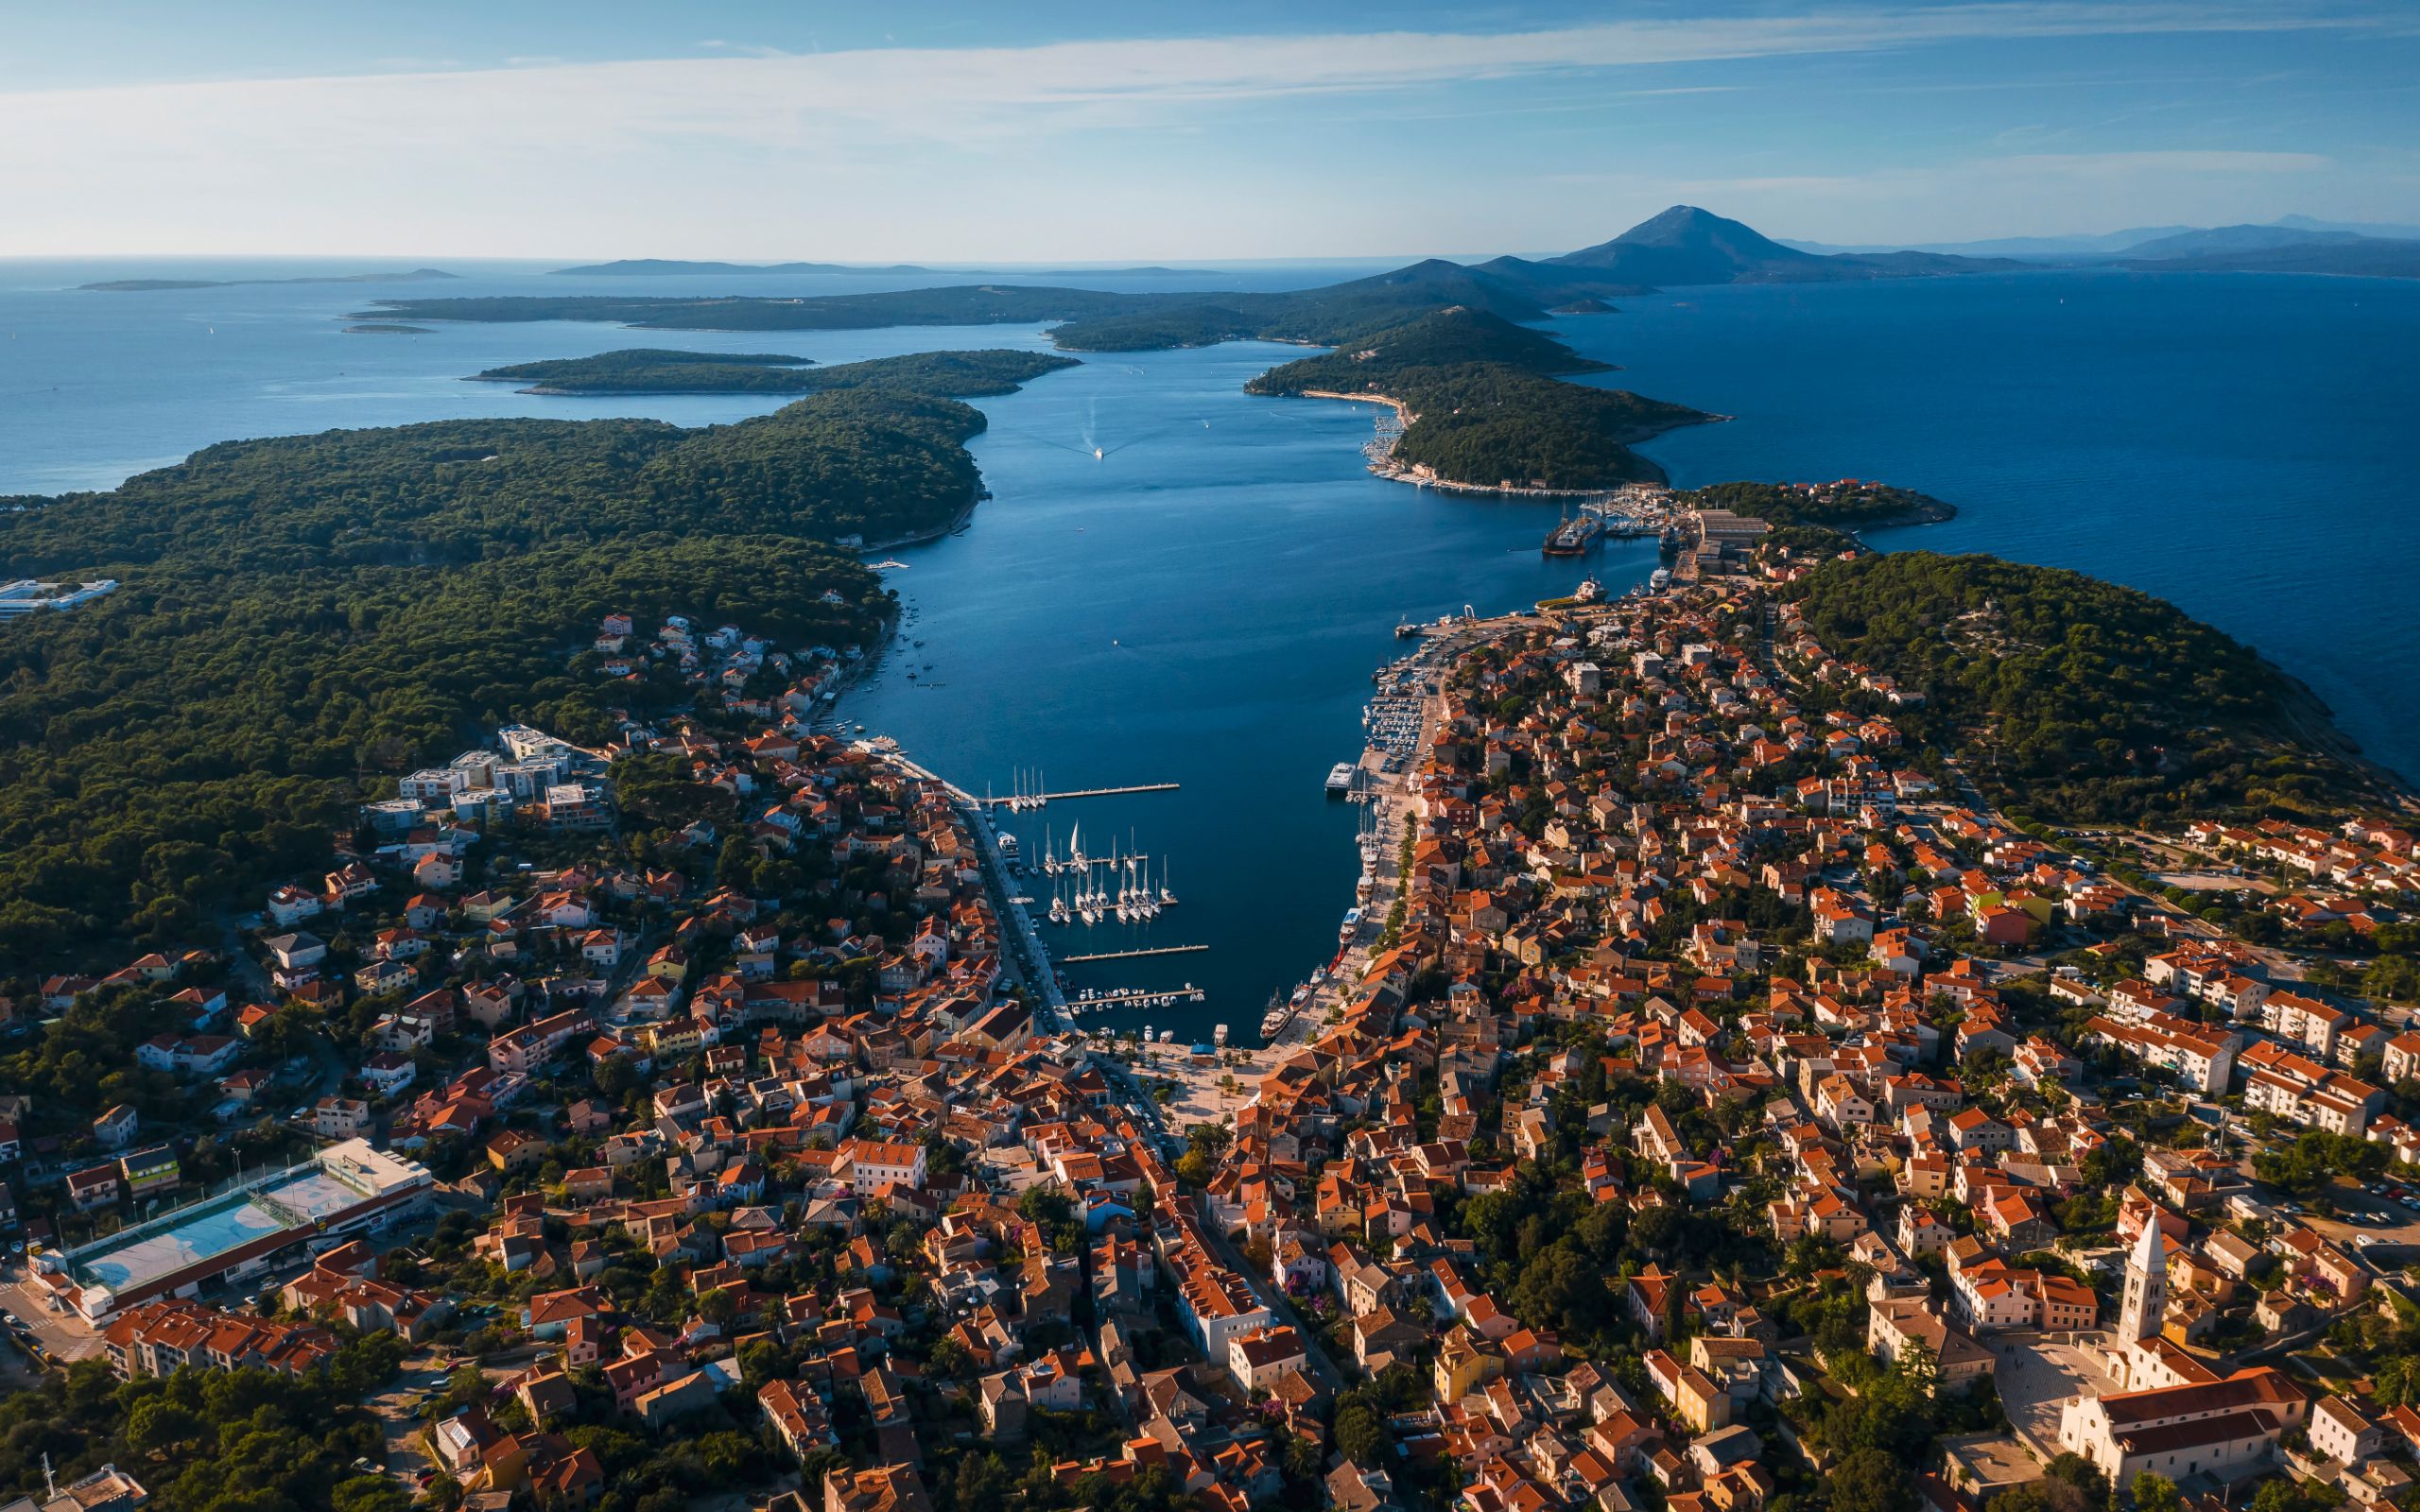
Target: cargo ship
{"x": 1572, "y": 537}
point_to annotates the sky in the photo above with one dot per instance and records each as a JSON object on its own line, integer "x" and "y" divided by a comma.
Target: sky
{"x": 1047, "y": 130}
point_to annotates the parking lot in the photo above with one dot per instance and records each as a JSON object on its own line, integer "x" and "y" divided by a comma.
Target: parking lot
{"x": 2366, "y": 1217}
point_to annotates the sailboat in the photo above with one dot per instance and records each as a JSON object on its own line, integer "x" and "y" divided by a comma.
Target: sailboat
{"x": 1167, "y": 899}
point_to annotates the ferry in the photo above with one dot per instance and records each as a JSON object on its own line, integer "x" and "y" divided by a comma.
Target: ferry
{"x": 1660, "y": 579}
{"x": 1339, "y": 780}
{"x": 1572, "y": 537}
{"x": 1352, "y": 927}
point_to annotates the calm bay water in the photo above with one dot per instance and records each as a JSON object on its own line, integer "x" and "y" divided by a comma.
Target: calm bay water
{"x": 1205, "y": 603}
{"x": 2241, "y": 445}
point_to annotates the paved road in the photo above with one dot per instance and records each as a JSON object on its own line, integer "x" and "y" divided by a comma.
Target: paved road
{"x": 64, "y": 1338}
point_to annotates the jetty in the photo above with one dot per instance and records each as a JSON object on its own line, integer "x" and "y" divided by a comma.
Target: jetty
{"x": 1134, "y": 955}
{"x": 1026, "y": 800}
{"x": 1150, "y": 997}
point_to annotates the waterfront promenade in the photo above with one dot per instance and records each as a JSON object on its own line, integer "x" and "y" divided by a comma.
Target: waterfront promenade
{"x": 1023, "y": 953}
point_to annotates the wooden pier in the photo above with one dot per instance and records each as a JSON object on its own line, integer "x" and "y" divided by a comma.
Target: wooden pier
{"x": 1037, "y": 799}
{"x": 1128, "y": 955}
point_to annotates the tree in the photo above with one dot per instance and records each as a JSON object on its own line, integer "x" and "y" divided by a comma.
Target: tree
{"x": 1360, "y": 1431}
{"x": 370, "y": 1493}
{"x": 2156, "y": 1493}
{"x": 162, "y": 1425}
{"x": 1870, "y": 1480}
{"x": 2082, "y": 1474}
{"x": 615, "y": 1076}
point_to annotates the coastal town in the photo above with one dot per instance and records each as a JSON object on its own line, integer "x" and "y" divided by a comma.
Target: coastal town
{"x": 1715, "y": 1099}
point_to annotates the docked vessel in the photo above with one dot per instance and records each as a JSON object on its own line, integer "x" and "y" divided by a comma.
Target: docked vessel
{"x": 1339, "y": 780}
{"x": 1219, "y": 1036}
{"x": 1660, "y": 579}
{"x": 1572, "y": 537}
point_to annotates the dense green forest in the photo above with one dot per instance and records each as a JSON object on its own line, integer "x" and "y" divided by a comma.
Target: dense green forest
{"x": 253, "y": 1439}
{"x": 653, "y": 371}
{"x": 862, "y": 461}
{"x": 1485, "y": 403}
{"x": 2077, "y": 698}
{"x": 197, "y": 734}
{"x": 1441, "y": 339}
{"x": 305, "y": 618}
{"x": 1847, "y": 506}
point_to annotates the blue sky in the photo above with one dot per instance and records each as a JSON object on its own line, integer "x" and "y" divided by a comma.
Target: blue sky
{"x": 1081, "y": 132}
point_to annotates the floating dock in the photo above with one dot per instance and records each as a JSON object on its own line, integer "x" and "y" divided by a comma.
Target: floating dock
{"x": 1128, "y": 955}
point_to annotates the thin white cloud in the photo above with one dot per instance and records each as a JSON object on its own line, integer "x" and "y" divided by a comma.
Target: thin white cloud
{"x": 790, "y": 142}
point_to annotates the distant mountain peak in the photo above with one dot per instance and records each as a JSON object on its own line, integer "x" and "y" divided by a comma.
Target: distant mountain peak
{"x": 1686, "y": 226}
{"x": 1685, "y": 245}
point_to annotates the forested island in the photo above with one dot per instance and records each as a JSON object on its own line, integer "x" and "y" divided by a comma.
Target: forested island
{"x": 1484, "y": 404}
{"x": 1682, "y": 246}
{"x": 2075, "y": 697}
{"x": 149, "y": 285}
{"x": 1083, "y": 319}
{"x": 655, "y": 370}
{"x": 1484, "y": 409}
{"x": 304, "y": 619}
{"x": 674, "y": 267}
{"x": 1848, "y": 503}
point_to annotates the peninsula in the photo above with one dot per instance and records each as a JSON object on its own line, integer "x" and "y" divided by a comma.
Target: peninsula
{"x": 305, "y": 619}
{"x": 1483, "y": 405}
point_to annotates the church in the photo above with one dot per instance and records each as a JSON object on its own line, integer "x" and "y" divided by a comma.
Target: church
{"x": 2139, "y": 1356}
{"x": 2176, "y": 1414}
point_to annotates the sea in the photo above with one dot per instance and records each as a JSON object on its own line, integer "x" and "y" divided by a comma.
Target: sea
{"x": 1204, "y": 602}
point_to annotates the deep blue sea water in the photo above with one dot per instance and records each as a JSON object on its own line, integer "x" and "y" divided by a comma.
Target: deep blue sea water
{"x": 1205, "y": 605}
{"x": 2244, "y": 445}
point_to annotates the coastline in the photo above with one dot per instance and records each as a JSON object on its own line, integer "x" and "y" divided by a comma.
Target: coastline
{"x": 924, "y": 538}
{"x": 1383, "y": 464}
